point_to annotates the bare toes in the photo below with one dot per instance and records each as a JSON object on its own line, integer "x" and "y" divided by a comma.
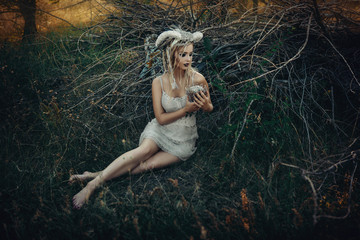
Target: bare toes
{"x": 79, "y": 177}
{"x": 76, "y": 204}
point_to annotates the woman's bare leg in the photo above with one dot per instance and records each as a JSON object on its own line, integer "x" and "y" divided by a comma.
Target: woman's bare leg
{"x": 121, "y": 165}
{"x": 159, "y": 160}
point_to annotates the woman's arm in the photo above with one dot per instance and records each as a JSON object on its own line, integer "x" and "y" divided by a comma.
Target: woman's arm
{"x": 202, "y": 100}
{"x": 163, "y": 117}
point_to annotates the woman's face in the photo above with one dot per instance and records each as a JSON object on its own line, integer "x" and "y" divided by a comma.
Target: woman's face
{"x": 184, "y": 57}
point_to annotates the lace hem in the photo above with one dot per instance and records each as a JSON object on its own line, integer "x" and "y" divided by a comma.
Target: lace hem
{"x": 175, "y": 139}
{"x": 182, "y": 155}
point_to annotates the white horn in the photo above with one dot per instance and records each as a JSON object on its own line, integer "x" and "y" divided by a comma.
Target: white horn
{"x": 167, "y": 34}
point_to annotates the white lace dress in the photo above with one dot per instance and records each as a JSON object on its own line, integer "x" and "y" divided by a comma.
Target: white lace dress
{"x": 177, "y": 138}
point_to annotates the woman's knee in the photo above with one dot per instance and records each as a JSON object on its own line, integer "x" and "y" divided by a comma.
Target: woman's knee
{"x": 148, "y": 148}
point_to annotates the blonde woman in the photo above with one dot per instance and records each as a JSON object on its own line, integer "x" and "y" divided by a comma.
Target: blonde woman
{"x": 171, "y": 136}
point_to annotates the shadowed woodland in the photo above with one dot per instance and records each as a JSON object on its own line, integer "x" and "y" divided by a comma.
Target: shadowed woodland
{"x": 277, "y": 158}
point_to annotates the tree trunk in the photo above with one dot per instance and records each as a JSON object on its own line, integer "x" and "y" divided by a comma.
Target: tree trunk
{"x": 28, "y": 11}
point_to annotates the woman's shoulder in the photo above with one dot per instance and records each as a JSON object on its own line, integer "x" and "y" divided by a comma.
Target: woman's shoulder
{"x": 159, "y": 82}
{"x": 198, "y": 78}
{"x": 156, "y": 82}
{"x": 157, "y": 79}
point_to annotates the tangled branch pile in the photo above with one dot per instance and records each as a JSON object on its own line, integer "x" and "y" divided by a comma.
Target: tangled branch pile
{"x": 284, "y": 80}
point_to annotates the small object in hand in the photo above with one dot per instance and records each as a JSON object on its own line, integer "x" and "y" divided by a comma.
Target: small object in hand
{"x": 191, "y": 91}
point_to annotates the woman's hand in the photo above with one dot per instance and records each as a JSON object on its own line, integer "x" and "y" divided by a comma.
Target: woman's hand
{"x": 203, "y": 101}
{"x": 191, "y": 106}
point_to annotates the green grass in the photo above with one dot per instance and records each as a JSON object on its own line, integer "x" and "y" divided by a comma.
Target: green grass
{"x": 210, "y": 196}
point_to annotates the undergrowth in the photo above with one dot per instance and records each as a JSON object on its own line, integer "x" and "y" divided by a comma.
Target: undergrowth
{"x": 74, "y": 102}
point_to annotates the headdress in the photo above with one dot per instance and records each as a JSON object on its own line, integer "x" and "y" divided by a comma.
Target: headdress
{"x": 171, "y": 38}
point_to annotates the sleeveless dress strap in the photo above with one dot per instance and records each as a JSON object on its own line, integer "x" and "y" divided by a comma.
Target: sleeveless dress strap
{"x": 161, "y": 83}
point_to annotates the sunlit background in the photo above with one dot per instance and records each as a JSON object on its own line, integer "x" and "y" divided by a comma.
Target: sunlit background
{"x": 57, "y": 14}
{"x": 54, "y": 14}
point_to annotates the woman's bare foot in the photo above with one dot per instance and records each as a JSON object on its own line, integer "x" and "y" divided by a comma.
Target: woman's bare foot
{"x": 83, "y": 177}
{"x": 83, "y": 196}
